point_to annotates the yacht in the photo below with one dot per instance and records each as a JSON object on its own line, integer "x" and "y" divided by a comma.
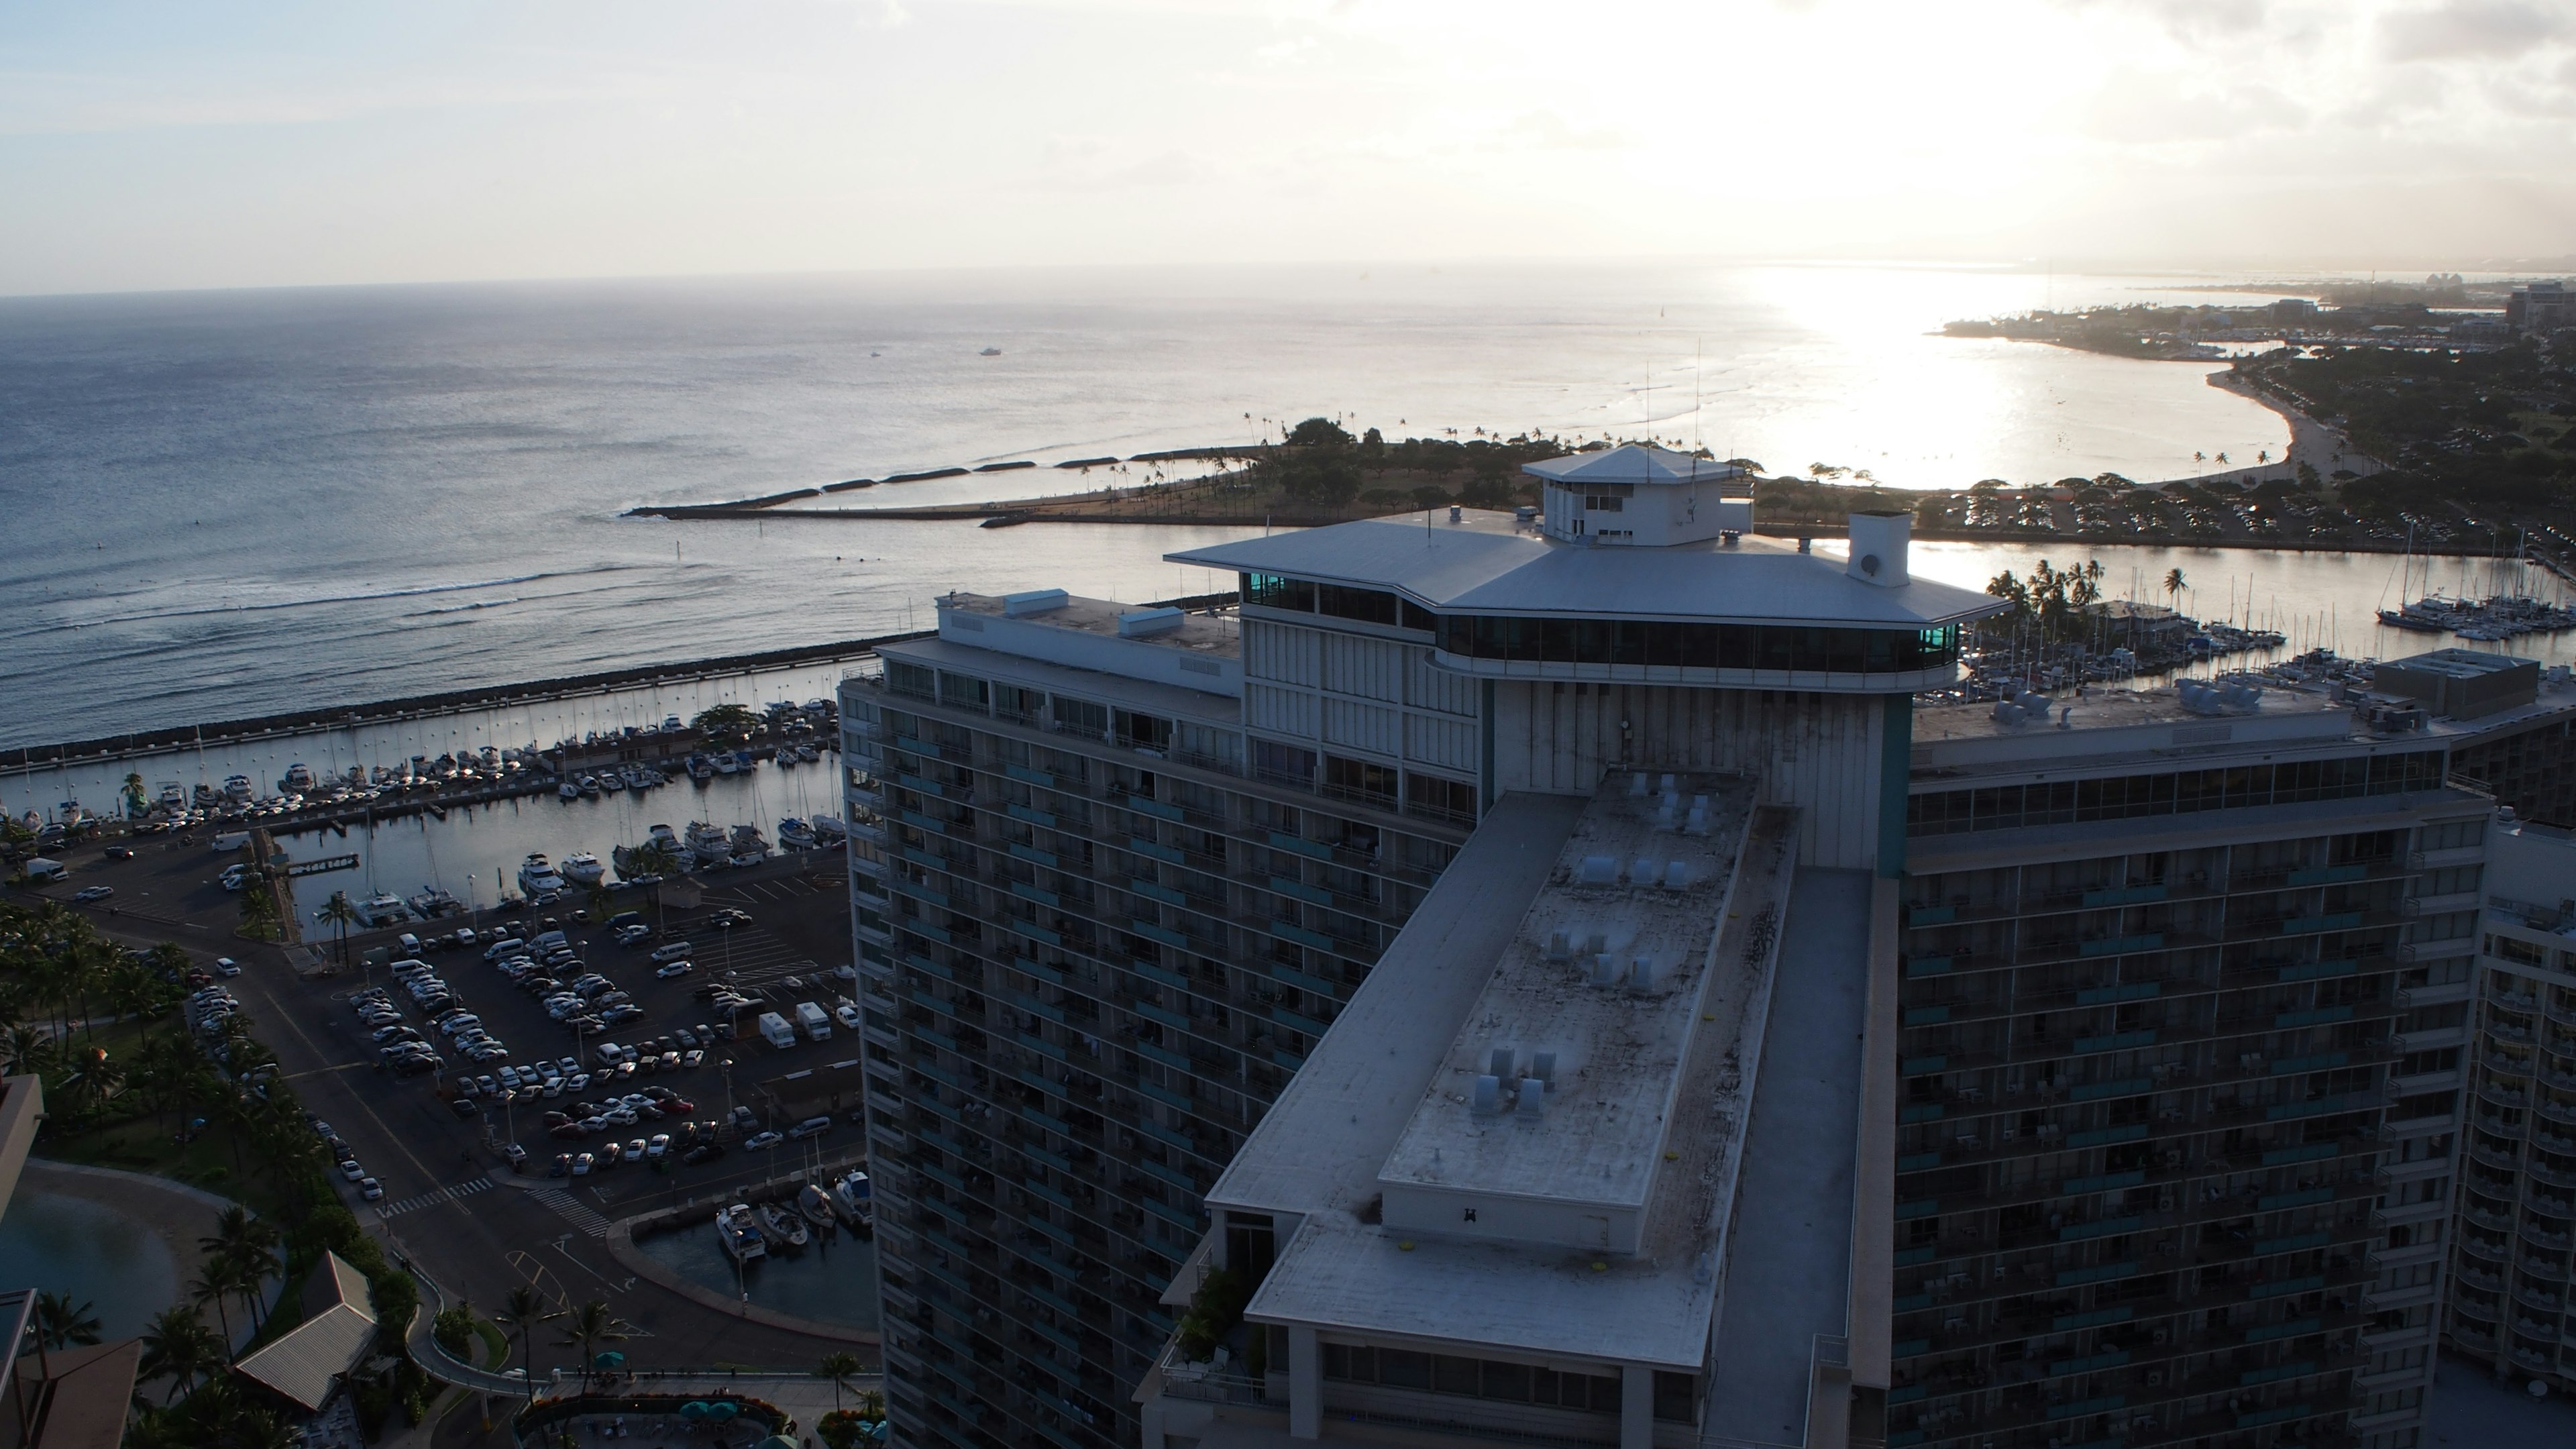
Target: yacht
{"x": 639, "y": 778}
{"x": 582, "y": 869}
{"x": 782, "y": 1227}
{"x": 815, "y": 1206}
{"x": 298, "y": 780}
{"x": 784, "y": 759}
{"x": 383, "y": 909}
{"x": 851, "y": 1200}
{"x": 795, "y": 834}
{"x": 590, "y": 786}
{"x": 611, "y": 781}
{"x": 706, "y": 843}
{"x": 727, "y": 764}
{"x": 662, "y": 835}
{"x": 747, "y": 845}
{"x": 567, "y": 791}
{"x": 432, "y": 903}
{"x": 807, "y": 753}
{"x": 739, "y": 1235}
{"x": 238, "y": 788}
{"x": 828, "y": 830}
{"x": 537, "y": 875}
{"x": 701, "y": 769}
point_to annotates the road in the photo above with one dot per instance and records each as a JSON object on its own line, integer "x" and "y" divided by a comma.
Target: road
{"x": 472, "y": 1226}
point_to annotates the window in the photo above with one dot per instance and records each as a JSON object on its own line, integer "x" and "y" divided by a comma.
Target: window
{"x": 1369, "y": 606}
{"x": 911, "y": 679}
{"x": 1080, "y": 717}
{"x": 1144, "y": 730}
{"x": 1439, "y": 799}
{"x": 1020, "y": 706}
{"x": 1688, "y": 645}
{"x": 1274, "y": 592}
{"x": 1360, "y": 780}
{"x": 2064, "y": 802}
{"x": 1511, "y": 1383}
{"x": 962, "y": 691}
{"x": 1285, "y": 764}
{"x": 1603, "y": 503}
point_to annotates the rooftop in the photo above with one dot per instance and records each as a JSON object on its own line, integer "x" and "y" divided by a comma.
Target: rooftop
{"x": 1488, "y": 563}
{"x": 307, "y": 1361}
{"x": 1154, "y": 644}
{"x": 1158, "y": 625}
{"x": 1604, "y": 1218}
{"x": 1637, "y": 895}
{"x": 1633, "y": 464}
{"x": 2106, "y": 722}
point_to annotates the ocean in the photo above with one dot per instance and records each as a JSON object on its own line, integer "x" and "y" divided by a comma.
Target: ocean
{"x": 228, "y": 503}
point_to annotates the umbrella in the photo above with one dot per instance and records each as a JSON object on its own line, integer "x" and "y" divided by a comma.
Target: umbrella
{"x": 722, "y": 1410}
{"x": 694, "y": 1409}
{"x": 610, "y": 1359}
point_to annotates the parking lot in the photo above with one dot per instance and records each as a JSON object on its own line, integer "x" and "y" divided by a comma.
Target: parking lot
{"x": 439, "y": 1168}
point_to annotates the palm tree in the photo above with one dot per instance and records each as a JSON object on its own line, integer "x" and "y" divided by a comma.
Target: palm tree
{"x": 178, "y": 1346}
{"x": 92, "y": 1080}
{"x": 656, "y": 858}
{"x": 248, "y": 1246}
{"x": 522, "y": 1311}
{"x": 838, "y": 1367}
{"x": 214, "y": 1283}
{"x": 62, "y": 1324}
{"x": 2174, "y": 585}
{"x": 339, "y": 913}
{"x": 261, "y": 1428}
{"x": 591, "y": 1324}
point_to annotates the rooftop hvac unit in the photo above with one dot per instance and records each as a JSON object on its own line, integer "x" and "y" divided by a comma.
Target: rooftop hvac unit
{"x": 1641, "y": 973}
{"x": 1543, "y": 1067}
{"x": 1499, "y": 1063}
{"x": 1637, "y": 786}
{"x": 1488, "y": 1097}
{"x": 1533, "y": 1097}
{"x": 1559, "y": 946}
{"x": 1641, "y": 871}
{"x": 1605, "y": 970}
{"x": 1676, "y": 875}
{"x": 1598, "y": 870}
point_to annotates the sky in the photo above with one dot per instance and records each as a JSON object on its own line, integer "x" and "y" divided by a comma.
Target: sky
{"x": 210, "y": 144}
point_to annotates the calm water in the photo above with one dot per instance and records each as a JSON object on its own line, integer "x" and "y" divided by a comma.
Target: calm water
{"x": 834, "y": 1280}
{"x": 96, "y": 1254}
{"x": 227, "y": 503}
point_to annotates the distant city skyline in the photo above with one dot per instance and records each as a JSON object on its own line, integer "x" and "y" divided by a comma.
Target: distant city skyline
{"x": 151, "y": 146}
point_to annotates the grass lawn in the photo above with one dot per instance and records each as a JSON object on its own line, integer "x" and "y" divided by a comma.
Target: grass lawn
{"x": 146, "y": 1144}
{"x": 496, "y": 1344}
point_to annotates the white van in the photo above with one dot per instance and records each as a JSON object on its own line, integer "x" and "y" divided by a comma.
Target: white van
{"x": 231, "y": 839}
{"x": 45, "y": 870}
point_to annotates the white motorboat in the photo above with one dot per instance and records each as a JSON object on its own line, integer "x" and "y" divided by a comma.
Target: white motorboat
{"x": 567, "y": 791}
{"x": 638, "y": 777}
{"x": 663, "y": 835}
{"x": 701, "y": 769}
{"x": 590, "y": 786}
{"x": 828, "y": 829}
{"x": 432, "y": 903}
{"x": 611, "y": 781}
{"x": 298, "y": 780}
{"x": 706, "y": 842}
{"x": 739, "y": 1235}
{"x": 795, "y": 834}
{"x": 383, "y": 909}
{"x": 815, "y": 1206}
{"x": 782, "y": 1227}
{"x": 582, "y": 869}
{"x": 726, "y": 764}
{"x": 808, "y": 753}
{"x": 785, "y": 759}
{"x": 537, "y": 875}
{"x": 851, "y": 1199}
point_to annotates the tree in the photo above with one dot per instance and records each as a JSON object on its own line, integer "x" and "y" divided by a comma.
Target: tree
{"x": 2174, "y": 585}
{"x": 178, "y": 1346}
{"x": 214, "y": 1283}
{"x": 60, "y": 1323}
{"x": 839, "y": 1367}
{"x": 589, "y": 1325}
{"x": 338, "y": 913}
{"x": 726, "y": 721}
{"x": 248, "y": 1247}
{"x": 522, "y": 1311}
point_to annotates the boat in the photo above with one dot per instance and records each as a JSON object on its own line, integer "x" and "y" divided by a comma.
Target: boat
{"x": 567, "y": 791}
{"x": 237, "y": 788}
{"x": 851, "y": 1199}
{"x": 739, "y": 1235}
{"x": 726, "y": 764}
{"x": 432, "y": 903}
{"x": 808, "y": 754}
{"x": 706, "y": 843}
{"x": 590, "y": 786}
{"x": 990, "y": 352}
{"x": 795, "y": 834}
{"x": 815, "y": 1206}
{"x": 637, "y": 777}
{"x": 537, "y": 875}
{"x": 828, "y": 830}
{"x": 662, "y": 835}
{"x": 611, "y": 781}
{"x": 582, "y": 869}
{"x": 747, "y": 846}
{"x": 2400, "y": 619}
{"x": 782, "y": 1227}
{"x": 298, "y": 780}
{"x": 701, "y": 769}
{"x": 785, "y": 759}
{"x": 383, "y": 909}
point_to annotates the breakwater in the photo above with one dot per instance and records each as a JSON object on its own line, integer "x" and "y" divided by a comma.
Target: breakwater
{"x": 740, "y": 507}
{"x": 147, "y": 742}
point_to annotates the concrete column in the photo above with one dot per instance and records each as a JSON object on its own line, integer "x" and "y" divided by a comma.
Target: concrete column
{"x": 1636, "y": 1407}
{"x": 1305, "y": 1384}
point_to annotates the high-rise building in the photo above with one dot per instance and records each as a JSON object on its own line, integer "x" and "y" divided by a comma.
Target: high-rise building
{"x": 1543, "y": 977}
{"x": 2517, "y": 1203}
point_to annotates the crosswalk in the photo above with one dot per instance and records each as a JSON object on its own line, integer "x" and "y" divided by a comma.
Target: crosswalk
{"x": 571, "y": 1210}
{"x": 432, "y": 1199}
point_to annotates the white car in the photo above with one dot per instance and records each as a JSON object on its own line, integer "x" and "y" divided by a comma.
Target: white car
{"x": 675, "y": 969}
{"x": 847, "y": 1015}
{"x": 227, "y": 966}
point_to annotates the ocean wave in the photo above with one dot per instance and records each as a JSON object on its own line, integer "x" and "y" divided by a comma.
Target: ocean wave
{"x": 370, "y": 596}
{"x": 464, "y": 608}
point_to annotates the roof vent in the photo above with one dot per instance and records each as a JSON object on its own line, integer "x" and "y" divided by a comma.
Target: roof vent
{"x": 1543, "y": 1067}
{"x": 1605, "y": 971}
{"x": 1488, "y": 1098}
{"x": 1676, "y": 874}
{"x": 1499, "y": 1062}
{"x": 1642, "y": 975}
{"x": 1637, "y": 786}
{"x": 1533, "y": 1098}
{"x": 1035, "y": 601}
{"x": 1139, "y": 623}
{"x": 1598, "y": 870}
{"x": 1641, "y": 871}
{"x": 1559, "y": 946}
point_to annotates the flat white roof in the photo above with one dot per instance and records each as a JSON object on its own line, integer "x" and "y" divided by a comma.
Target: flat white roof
{"x": 1375, "y": 1098}
{"x": 1487, "y": 564}
{"x": 1619, "y": 1049}
{"x": 1633, "y": 463}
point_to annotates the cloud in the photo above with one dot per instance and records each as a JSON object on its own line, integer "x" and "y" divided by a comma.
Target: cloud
{"x": 2471, "y": 29}
{"x": 1545, "y": 130}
